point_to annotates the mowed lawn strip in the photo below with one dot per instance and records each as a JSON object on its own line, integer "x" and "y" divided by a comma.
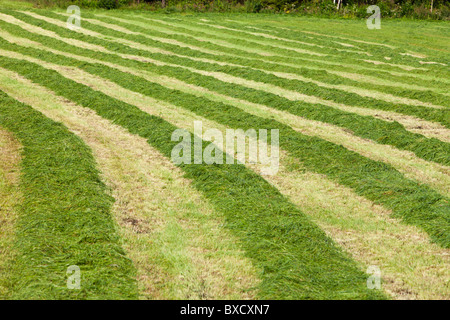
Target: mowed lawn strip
{"x": 319, "y": 89}
{"x": 298, "y": 260}
{"x": 359, "y": 230}
{"x": 117, "y": 36}
{"x": 64, "y": 219}
{"x": 397, "y": 55}
{"x": 361, "y": 227}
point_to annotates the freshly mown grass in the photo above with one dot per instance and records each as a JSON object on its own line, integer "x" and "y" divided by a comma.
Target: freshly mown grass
{"x": 298, "y": 260}
{"x": 281, "y": 61}
{"x": 64, "y": 218}
{"x": 248, "y": 73}
{"x": 175, "y": 239}
{"x": 308, "y": 69}
{"x": 416, "y": 204}
{"x": 218, "y": 48}
{"x": 291, "y": 38}
{"x": 344, "y": 59}
{"x": 428, "y": 37}
{"x": 364, "y": 126}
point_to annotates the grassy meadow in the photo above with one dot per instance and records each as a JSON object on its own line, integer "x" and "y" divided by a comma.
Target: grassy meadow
{"x": 86, "y": 176}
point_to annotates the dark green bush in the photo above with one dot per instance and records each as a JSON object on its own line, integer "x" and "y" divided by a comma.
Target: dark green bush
{"x": 108, "y": 4}
{"x": 254, "y": 5}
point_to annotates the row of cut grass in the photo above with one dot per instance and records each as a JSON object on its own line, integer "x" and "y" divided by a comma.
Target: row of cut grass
{"x": 396, "y": 54}
{"x": 157, "y": 42}
{"x": 121, "y": 83}
{"x": 367, "y": 127}
{"x": 374, "y": 180}
{"x": 402, "y": 243}
{"x": 422, "y": 171}
{"x": 282, "y": 60}
{"x": 354, "y": 32}
{"x": 428, "y": 38}
{"x": 64, "y": 218}
{"x": 298, "y": 260}
{"x": 338, "y": 95}
{"x": 174, "y": 238}
{"x": 146, "y": 28}
{"x": 344, "y": 59}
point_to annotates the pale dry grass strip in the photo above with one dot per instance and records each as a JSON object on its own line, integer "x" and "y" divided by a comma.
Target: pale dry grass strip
{"x": 270, "y": 88}
{"x": 361, "y": 91}
{"x": 399, "y": 280}
{"x": 383, "y": 82}
{"x": 432, "y": 62}
{"x": 260, "y": 34}
{"x": 163, "y": 221}
{"x": 10, "y": 198}
{"x": 435, "y": 175}
{"x": 401, "y": 66}
{"x": 344, "y": 38}
{"x": 414, "y": 55}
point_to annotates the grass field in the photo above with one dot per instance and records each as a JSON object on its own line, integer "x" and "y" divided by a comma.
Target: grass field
{"x": 86, "y": 176}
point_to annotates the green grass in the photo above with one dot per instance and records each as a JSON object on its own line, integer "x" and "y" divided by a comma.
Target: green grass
{"x": 298, "y": 260}
{"x": 308, "y": 69}
{"x": 16, "y": 4}
{"x": 364, "y": 126}
{"x": 375, "y": 180}
{"x": 65, "y": 217}
{"x": 239, "y": 49}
